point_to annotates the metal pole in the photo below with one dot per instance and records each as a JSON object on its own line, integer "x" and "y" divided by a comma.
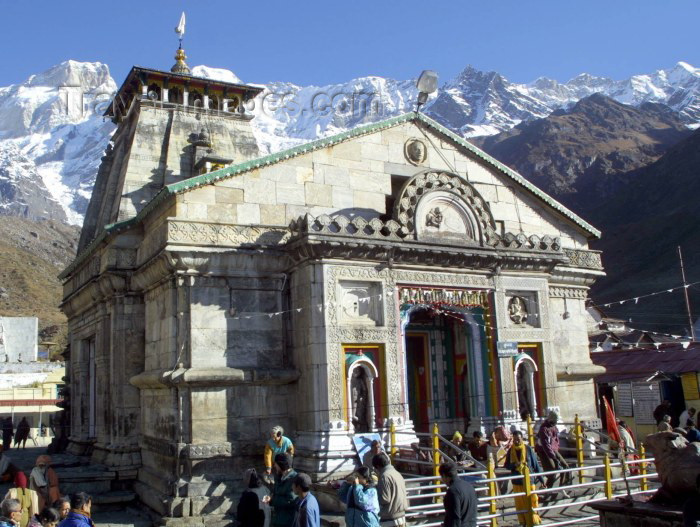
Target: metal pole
{"x": 643, "y": 467}
{"x": 392, "y": 435}
{"x": 687, "y": 300}
{"x": 608, "y": 478}
{"x": 579, "y": 447}
{"x": 436, "y": 456}
{"x": 530, "y": 432}
{"x": 491, "y": 474}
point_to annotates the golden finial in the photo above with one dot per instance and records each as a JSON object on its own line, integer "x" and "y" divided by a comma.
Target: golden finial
{"x": 180, "y": 65}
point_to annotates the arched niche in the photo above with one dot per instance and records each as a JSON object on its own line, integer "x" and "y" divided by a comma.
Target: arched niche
{"x": 450, "y": 190}
{"x": 444, "y": 216}
{"x": 361, "y": 376}
{"x": 524, "y": 372}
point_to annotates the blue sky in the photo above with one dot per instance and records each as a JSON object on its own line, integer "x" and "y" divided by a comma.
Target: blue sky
{"x": 326, "y": 42}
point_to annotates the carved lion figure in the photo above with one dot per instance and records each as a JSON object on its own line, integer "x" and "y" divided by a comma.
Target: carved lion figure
{"x": 677, "y": 463}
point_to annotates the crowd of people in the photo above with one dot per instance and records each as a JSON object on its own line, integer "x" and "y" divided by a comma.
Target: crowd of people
{"x": 687, "y": 423}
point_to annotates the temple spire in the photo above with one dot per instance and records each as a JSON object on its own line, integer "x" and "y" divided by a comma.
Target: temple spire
{"x": 180, "y": 65}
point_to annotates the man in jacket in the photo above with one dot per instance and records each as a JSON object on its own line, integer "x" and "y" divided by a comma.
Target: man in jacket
{"x": 391, "y": 492}
{"x": 548, "y": 449}
{"x": 308, "y": 514}
{"x": 79, "y": 515}
{"x": 283, "y": 499}
{"x": 460, "y": 498}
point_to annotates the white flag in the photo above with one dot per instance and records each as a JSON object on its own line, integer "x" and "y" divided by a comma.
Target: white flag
{"x": 180, "y": 29}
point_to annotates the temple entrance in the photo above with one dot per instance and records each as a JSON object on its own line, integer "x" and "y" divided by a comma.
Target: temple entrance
{"x": 446, "y": 371}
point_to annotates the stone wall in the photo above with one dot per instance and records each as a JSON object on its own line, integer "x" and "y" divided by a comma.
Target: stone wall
{"x": 18, "y": 339}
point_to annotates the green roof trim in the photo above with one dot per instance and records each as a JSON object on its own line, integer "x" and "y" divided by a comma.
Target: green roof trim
{"x": 305, "y": 148}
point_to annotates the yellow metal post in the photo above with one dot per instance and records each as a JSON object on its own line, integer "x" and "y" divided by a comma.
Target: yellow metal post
{"x": 578, "y": 430}
{"x": 530, "y": 432}
{"x": 436, "y": 450}
{"x": 436, "y": 456}
{"x": 608, "y": 478}
{"x": 491, "y": 474}
{"x": 527, "y": 487}
{"x": 643, "y": 483}
{"x": 392, "y": 439}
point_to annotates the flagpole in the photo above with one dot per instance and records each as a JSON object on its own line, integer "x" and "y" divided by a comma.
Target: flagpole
{"x": 687, "y": 299}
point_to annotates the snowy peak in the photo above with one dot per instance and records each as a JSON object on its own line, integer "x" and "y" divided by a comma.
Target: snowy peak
{"x": 87, "y": 75}
{"x": 52, "y": 134}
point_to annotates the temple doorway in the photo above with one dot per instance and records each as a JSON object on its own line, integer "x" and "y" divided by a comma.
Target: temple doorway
{"x": 445, "y": 376}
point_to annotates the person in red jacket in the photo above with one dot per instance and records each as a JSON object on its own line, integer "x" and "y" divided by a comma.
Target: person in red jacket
{"x": 548, "y": 450}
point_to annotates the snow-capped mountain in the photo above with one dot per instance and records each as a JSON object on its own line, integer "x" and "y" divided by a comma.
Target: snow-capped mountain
{"x": 52, "y": 133}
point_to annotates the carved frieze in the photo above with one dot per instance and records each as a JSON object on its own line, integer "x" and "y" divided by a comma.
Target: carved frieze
{"x": 224, "y": 235}
{"x": 584, "y": 258}
{"x": 208, "y": 450}
{"x": 578, "y": 293}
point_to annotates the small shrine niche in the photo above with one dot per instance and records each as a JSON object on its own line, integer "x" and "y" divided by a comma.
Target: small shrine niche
{"x": 361, "y": 303}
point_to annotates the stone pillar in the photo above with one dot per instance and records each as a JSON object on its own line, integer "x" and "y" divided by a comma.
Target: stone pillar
{"x": 164, "y": 95}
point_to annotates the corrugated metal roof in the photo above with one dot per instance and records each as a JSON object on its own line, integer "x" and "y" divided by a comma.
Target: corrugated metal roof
{"x": 643, "y": 363}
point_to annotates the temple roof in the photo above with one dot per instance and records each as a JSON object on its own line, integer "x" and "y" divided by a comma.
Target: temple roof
{"x": 144, "y": 75}
{"x": 271, "y": 159}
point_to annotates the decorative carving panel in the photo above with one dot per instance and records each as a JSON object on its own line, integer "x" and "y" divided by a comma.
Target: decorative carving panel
{"x": 224, "y": 235}
{"x": 584, "y": 258}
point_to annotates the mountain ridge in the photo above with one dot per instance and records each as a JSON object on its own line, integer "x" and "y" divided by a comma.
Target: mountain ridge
{"x": 52, "y": 123}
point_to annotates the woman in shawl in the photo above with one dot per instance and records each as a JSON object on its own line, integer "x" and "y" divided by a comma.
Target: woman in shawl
{"x": 27, "y": 498}
{"x": 22, "y": 434}
{"x": 519, "y": 456}
{"x": 44, "y": 481}
{"x": 48, "y": 517}
{"x": 361, "y": 500}
{"x": 254, "y": 506}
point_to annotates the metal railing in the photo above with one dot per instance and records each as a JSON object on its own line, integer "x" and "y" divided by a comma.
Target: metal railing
{"x": 425, "y": 493}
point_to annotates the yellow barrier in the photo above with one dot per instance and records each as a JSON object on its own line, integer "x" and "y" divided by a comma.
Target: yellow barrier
{"x": 392, "y": 435}
{"x": 644, "y": 483}
{"x": 436, "y": 456}
{"x": 530, "y": 432}
{"x": 608, "y": 478}
{"x": 491, "y": 475}
{"x": 578, "y": 430}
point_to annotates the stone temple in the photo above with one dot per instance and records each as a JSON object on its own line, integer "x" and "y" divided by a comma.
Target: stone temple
{"x": 393, "y": 273}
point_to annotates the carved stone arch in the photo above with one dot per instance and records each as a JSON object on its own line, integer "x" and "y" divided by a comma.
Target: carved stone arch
{"x": 466, "y": 197}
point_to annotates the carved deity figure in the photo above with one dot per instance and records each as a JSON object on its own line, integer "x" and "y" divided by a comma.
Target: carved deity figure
{"x": 434, "y": 218}
{"x": 358, "y": 387}
{"x": 517, "y": 310}
{"x": 524, "y": 381}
